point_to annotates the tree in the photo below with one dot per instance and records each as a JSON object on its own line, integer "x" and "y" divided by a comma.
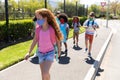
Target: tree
{"x": 95, "y": 8}
{"x": 71, "y": 8}
{"x": 114, "y": 7}
{"x": 1, "y": 7}
{"x": 118, "y": 10}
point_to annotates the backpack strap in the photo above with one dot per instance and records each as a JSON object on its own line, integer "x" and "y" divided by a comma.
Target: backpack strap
{"x": 38, "y": 28}
{"x": 89, "y": 23}
{"x": 52, "y": 35}
{"x": 93, "y": 22}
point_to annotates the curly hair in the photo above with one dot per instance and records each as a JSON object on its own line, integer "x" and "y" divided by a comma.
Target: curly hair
{"x": 51, "y": 21}
{"x": 76, "y": 17}
{"x": 64, "y": 16}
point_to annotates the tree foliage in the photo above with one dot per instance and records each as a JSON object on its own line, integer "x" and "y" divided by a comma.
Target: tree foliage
{"x": 70, "y": 8}
{"x": 114, "y": 7}
{"x": 95, "y": 8}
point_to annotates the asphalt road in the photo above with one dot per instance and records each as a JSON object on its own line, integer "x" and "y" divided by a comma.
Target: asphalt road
{"x": 110, "y": 65}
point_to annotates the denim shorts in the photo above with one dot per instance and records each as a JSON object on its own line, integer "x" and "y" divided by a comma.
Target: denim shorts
{"x": 48, "y": 56}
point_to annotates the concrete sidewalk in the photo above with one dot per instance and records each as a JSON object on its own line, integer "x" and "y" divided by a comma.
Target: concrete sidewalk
{"x": 73, "y": 67}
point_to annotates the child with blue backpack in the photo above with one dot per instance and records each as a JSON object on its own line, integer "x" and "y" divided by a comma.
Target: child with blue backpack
{"x": 64, "y": 28}
{"x": 90, "y": 26}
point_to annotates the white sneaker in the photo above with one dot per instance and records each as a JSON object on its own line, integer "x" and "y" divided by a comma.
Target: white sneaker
{"x": 85, "y": 50}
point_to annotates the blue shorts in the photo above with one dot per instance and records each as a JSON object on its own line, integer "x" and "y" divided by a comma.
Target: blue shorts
{"x": 64, "y": 40}
{"x": 49, "y": 56}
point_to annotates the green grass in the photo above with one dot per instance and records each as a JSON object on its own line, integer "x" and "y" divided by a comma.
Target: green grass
{"x": 15, "y": 53}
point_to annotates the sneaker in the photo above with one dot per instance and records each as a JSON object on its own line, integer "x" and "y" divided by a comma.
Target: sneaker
{"x": 66, "y": 50}
{"x": 89, "y": 54}
{"x": 85, "y": 50}
{"x": 73, "y": 42}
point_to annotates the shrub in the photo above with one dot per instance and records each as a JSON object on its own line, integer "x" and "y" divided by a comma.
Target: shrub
{"x": 18, "y": 29}
{"x": 21, "y": 29}
{"x": 82, "y": 19}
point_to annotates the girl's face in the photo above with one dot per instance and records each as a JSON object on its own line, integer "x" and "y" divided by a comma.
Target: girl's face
{"x": 40, "y": 20}
{"x": 91, "y": 17}
{"x": 62, "y": 20}
{"x": 38, "y": 16}
{"x": 75, "y": 20}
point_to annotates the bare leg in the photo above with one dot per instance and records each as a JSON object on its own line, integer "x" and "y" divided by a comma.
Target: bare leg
{"x": 90, "y": 43}
{"x": 77, "y": 36}
{"x": 86, "y": 41}
{"x": 73, "y": 37}
{"x": 45, "y": 67}
{"x": 65, "y": 45}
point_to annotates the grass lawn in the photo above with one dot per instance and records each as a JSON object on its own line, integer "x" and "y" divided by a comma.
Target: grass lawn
{"x": 15, "y": 53}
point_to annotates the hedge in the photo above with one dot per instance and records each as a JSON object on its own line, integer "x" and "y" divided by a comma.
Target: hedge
{"x": 21, "y": 29}
{"x": 82, "y": 19}
{"x": 18, "y": 29}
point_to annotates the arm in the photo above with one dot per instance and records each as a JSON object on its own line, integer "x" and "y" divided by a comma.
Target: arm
{"x": 79, "y": 24}
{"x": 85, "y": 24}
{"x": 72, "y": 25}
{"x": 31, "y": 48}
{"x": 67, "y": 30}
{"x": 59, "y": 46}
{"x": 95, "y": 26}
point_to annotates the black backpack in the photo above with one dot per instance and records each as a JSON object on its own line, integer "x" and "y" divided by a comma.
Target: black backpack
{"x": 92, "y": 23}
{"x": 89, "y": 22}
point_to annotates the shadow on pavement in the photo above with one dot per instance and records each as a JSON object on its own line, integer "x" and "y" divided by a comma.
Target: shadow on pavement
{"x": 77, "y": 48}
{"x": 34, "y": 60}
{"x": 99, "y": 70}
{"x": 89, "y": 60}
{"x": 64, "y": 59}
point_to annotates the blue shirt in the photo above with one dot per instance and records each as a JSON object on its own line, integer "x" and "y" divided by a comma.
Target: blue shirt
{"x": 63, "y": 29}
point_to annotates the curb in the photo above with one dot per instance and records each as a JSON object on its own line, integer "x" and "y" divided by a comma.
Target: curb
{"x": 94, "y": 68}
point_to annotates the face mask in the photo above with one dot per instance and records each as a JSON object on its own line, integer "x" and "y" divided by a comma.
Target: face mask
{"x": 91, "y": 19}
{"x": 75, "y": 21}
{"x": 62, "y": 21}
{"x": 40, "y": 22}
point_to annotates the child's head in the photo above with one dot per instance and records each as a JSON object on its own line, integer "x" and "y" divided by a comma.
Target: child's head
{"x": 75, "y": 19}
{"x": 48, "y": 17}
{"x": 91, "y": 15}
{"x": 63, "y": 18}
{"x": 57, "y": 13}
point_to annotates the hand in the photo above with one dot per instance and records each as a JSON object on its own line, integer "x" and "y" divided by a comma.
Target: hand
{"x": 94, "y": 26}
{"x": 27, "y": 56}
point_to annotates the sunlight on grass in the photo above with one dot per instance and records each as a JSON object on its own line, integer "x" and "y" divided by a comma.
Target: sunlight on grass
{"x": 13, "y": 54}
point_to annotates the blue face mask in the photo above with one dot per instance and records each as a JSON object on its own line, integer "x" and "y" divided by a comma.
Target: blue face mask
{"x": 40, "y": 22}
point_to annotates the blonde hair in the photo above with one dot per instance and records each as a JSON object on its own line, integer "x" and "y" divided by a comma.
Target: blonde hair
{"x": 51, "y": 21}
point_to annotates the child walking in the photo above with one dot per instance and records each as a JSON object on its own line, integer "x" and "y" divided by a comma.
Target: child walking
{"x": 76, "y": 25}
{"x": 90, "y": 26}
{"x": 47, "y": 34}
{"x": 64, "y": 27}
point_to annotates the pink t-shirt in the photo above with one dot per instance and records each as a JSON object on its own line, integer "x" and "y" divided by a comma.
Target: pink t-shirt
{"x": 46, "y": 39}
